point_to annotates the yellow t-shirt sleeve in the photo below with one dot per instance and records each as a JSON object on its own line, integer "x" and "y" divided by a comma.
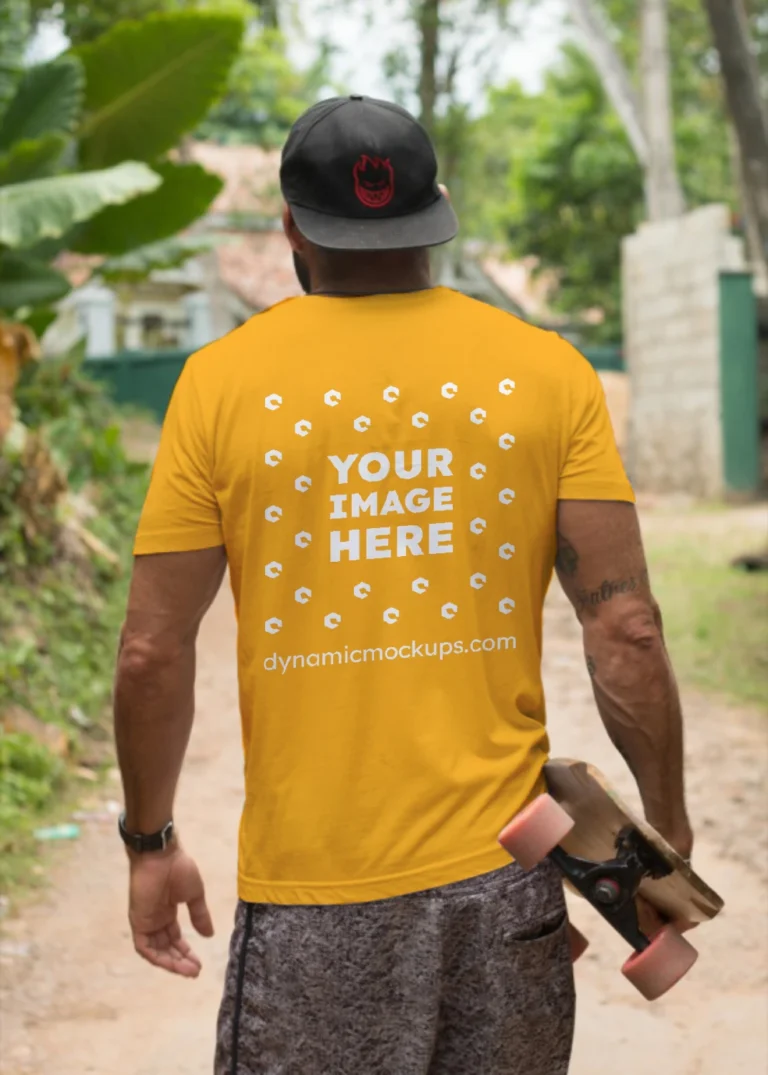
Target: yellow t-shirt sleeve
{"x": 592, "y": 469}
{"x": 181, "y": 512}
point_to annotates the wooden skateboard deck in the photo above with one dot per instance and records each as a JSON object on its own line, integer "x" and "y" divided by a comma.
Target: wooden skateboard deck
{"x": 600, "y": 816}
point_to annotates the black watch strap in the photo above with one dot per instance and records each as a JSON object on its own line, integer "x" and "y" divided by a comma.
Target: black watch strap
{"x": 141, "y": 842}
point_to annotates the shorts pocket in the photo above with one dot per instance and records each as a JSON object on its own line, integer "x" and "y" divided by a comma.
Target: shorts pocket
{"x": 542, "y": 934}
{"x": 541, "y": 965}
{"x": 539, "y": 998}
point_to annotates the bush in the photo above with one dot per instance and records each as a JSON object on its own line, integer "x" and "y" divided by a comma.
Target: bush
{"x": 60, "y": 613}
{"x": 68, "y": 436}
{"x": 29, "y": 778}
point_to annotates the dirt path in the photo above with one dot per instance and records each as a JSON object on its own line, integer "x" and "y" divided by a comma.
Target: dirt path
{"x": 79, "y": 1001}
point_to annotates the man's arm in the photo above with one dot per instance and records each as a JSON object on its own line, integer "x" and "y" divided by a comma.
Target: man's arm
{"x": 601, "y": 566}
{"x": 154, "y": 708}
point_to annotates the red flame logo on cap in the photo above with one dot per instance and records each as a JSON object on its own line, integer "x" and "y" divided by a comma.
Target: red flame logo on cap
{"x": 374, "y": 181}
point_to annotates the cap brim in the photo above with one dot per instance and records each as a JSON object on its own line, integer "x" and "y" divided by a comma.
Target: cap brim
{"x": 428, "y": 227}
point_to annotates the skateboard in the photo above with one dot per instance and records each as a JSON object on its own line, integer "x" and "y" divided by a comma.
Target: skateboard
{"x": 609, "y": 855}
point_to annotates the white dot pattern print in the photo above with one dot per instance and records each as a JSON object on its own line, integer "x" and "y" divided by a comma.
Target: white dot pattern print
{"x": 407, "y": 538}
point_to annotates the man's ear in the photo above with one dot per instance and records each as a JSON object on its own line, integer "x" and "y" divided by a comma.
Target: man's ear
{"x": 292, "y": 233}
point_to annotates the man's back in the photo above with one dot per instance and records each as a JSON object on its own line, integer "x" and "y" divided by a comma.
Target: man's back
{"x": 389, "y": 470}
{"x": 384, "y": 472}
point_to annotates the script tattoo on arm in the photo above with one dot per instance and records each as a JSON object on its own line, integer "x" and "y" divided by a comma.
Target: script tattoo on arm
{"x": 609, "y": 588}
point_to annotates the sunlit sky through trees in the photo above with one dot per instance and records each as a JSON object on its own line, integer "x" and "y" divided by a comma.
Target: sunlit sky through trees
{"x": 362, "y": 34}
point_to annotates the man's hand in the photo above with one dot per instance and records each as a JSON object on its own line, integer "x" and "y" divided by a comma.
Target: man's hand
{"x": 159, "y": 883}
{"x": 680, "y": 839}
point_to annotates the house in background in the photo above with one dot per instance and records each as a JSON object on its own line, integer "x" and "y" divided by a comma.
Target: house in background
{"x": 247, "y": 269}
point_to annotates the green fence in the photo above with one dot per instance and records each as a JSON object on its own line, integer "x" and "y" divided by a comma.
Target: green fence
{"x": 739, "y": 399}
{"x": 605, "y": 358}
{"x": 142, "y": 378}
{"x": 146, "y": 378}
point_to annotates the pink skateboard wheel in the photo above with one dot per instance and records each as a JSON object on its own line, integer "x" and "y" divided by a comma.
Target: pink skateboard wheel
{"x": 531, "y": 835}
{"x": 667, "y": 959}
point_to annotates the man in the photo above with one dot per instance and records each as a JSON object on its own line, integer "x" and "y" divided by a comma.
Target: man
{"x": 390, "y": 471}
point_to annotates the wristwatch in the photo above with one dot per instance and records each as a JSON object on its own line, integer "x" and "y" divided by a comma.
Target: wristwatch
{"x": 141, "y": 842}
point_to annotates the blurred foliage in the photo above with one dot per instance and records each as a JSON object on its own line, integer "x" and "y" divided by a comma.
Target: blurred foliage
{"x": 14, "y": 34}
{"x": 73, "y": 418}
{"x": 691, "y": 47}
{"x": 137, "y": 265}
{"x": 184, "y": 194}
{"x": 115, "y": 107}
{"x": 28, "y": 281}
{"x": 60, "y": 614}
{"x": 565, "y": 188}
{"x": 552, "y": 174}
{"x": 265, "y": 95}
{"x": 85, "y": 20}
{"x": 265, "y": 92}
{"x": 83, "y": 144}
{"x": 29, "y": 775}
{"x": 39, "y": 209}
{"x": 47, "y": 100}
{"x": 149, "y": 82}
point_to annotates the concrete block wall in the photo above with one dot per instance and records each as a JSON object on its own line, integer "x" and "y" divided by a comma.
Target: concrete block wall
{"x": 670, "y": 275}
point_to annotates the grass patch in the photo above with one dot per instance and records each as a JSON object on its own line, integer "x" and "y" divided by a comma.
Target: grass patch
{"x": 60, "y": 613}
{"x": 715, "y": 616}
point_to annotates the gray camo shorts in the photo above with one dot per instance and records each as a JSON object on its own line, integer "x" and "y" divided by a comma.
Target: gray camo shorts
{"x": 470, "y": 979}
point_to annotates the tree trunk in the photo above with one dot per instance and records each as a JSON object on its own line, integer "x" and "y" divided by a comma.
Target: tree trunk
{"x": 730, "y": 31}
{"x": 613, "y": 74}
{"x": 662, "y": 185}
{"x": 429, "y": 33}
{"x": 269, "y": 13}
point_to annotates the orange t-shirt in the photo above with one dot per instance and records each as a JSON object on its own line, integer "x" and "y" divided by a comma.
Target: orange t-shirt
{"x": 384, "y": 474}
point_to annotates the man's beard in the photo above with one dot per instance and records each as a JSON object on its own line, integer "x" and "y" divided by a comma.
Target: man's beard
{"x": 302, "y": 272}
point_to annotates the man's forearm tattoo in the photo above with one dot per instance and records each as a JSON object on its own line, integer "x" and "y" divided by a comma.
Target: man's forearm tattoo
{"x": 609, "y": 588}
{"x": 567, "y": 559}
{"x": 591, "y": 666}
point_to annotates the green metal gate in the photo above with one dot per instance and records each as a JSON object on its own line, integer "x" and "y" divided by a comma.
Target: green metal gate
{"x": 146, "y": 378}
{"x": 739, "y": 388}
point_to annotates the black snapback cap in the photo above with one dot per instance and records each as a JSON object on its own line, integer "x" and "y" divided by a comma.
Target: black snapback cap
{"x": 361, "y": 174}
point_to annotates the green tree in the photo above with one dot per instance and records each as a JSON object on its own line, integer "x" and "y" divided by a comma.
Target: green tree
{"x": 116, "y": 106}
{"x": 554, "y": 175}
{"x": 85, "y": 20}
{"x": 265, "y": 93}
{"x": 699, "y": 107}
{"x": 451, "y": 36}
{"x": 565, "y": 187}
